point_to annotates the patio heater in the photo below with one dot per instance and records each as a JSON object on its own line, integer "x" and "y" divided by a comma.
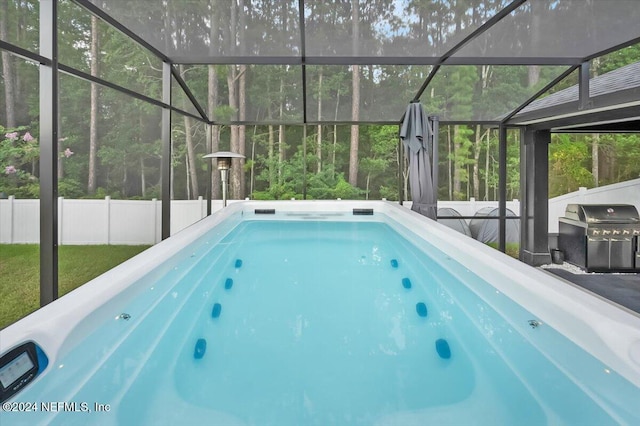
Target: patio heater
{"x": 224, "y": 164}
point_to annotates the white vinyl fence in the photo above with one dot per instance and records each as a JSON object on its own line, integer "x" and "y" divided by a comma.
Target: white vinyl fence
{"x": 104, "y": 221}
{"x": 139, "y": 222}
{"x": 131, "y": 222}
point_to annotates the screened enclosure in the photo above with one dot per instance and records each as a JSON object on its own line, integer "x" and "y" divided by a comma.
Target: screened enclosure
{"x": 123, "y": 99}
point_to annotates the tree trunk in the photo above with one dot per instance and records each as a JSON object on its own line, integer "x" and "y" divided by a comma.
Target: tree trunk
{"x": 457, "y": 182}
{"x": 93, "y": 119}
{"x": 476, "y": 166}
{"x": 495, "y": 187}
{"x": 7, "y": 70}
{"x": 281, "y": 134}
{"x": 242, "y": 105}
{"x": 191, "y": 153}
{"x": 319, "y": 135}
{"x": 60, "y": 167}
{"x": 468, "y": 182}
{"x": 272, "y": 142}
{"x": 143, "y": 181}
{"x": 125, "y": 176}
{"x": 214, "y": 134}
{"x": 355, "y": 103}
{"x": 242, "y": 100}
{"x": 595, "y": 159}
{"x": 335, "y": 134}
{"x": 449, "y": 163}
{"x": 253, "y": 161}
{"x": 281, "y": 151}
{"x": 534, "y": 75}
{"x": 486, "y": 168}
{"x": 366, "y": 191}
{"x": 234, "y": 134}
{"x": 537, "y": 11}
{"x": 192, "y": 169}
{"x": 355, "y": 129}
{"x": 187, "y": 168}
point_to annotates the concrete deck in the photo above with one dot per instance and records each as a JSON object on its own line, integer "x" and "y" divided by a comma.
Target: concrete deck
{"x": 623, "y": 289}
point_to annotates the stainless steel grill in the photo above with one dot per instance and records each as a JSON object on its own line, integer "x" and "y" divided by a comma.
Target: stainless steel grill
{"x": 601, "y": 237}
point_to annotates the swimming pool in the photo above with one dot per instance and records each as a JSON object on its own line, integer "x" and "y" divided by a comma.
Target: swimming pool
{"x": 292, "y": 313}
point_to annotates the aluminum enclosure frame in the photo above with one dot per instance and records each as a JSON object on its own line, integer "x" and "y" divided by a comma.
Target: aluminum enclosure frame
{"x": 591, "y": 111}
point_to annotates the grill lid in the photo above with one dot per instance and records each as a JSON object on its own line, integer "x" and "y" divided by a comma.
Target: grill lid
{"x": 603, "y": 213}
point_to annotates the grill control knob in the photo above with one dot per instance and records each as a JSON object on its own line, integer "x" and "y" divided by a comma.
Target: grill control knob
{"x": 596, "y": 232}
{"x": 616, "y": 232}
{"x": 625, "y": 232}
{"x": 606, "y": 232}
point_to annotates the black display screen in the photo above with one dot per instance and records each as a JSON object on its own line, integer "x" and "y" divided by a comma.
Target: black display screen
{"x": 18, "y": 367}
{"x": 15, "y": 369}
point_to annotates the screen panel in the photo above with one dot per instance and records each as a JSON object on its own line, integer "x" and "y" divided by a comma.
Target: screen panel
{"x": 568, "y": 29}
{"x": 192, "y": 30}
{"x": 484, "y": 93}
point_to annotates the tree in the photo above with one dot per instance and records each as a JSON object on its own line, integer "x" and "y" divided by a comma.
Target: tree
{"x": 355, "y": 101}
{"x": 192, "y": 168}
{"x": 7, "y": 69}
{"x": 568, "y": 156}
{"x": 93, "y": 123}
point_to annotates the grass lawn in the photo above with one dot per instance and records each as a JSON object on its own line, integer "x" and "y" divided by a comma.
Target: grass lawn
{"x": 20, "y": 273}
{"x": 512, "y": 249}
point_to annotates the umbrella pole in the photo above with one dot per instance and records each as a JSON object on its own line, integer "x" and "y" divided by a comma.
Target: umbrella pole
{"x": 435, "y": 128}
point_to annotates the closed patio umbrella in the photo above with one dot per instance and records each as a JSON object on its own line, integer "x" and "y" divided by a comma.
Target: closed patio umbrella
{"x": 415, "y": 134}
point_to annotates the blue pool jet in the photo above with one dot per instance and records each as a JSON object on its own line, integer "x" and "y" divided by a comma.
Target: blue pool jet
{"x": 421, "y": 309}
{"x": 217, "y": 309}
{"x": 228, "y": 283}
{"x": 443, "y": 349}
{"x": 200, "y": 349}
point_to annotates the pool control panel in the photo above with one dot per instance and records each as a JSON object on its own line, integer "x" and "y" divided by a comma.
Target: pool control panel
{"x": 19, "y": 367}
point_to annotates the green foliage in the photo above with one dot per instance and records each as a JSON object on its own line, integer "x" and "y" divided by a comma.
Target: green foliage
{"x": 129, "y": 134}
{"x": 617, "y": 59}
{"x": 511, "y": 249}
{"x": 569, "y": 158}
{"x": 345, "y": 191}
{"x": 19, "y": 152}
{"x": 70, "y": 188}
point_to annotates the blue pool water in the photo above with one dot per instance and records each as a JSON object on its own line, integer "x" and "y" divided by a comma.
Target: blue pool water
{"x": 325, "y": 323}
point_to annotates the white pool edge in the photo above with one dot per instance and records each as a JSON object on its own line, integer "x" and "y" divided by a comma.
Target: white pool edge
{"x": 607, "y": 332}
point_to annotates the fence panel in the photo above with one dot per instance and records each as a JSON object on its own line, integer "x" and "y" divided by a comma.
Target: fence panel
{"x": 138, "y": 222}
{"x": 133, "y": 222}
{"x": 84, "y": 221}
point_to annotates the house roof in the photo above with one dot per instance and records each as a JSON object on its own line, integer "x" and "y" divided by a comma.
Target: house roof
{"x": 614, "y": 97}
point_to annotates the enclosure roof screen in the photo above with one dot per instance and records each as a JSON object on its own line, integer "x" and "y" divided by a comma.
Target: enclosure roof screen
{"x": 394, "y": 43}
